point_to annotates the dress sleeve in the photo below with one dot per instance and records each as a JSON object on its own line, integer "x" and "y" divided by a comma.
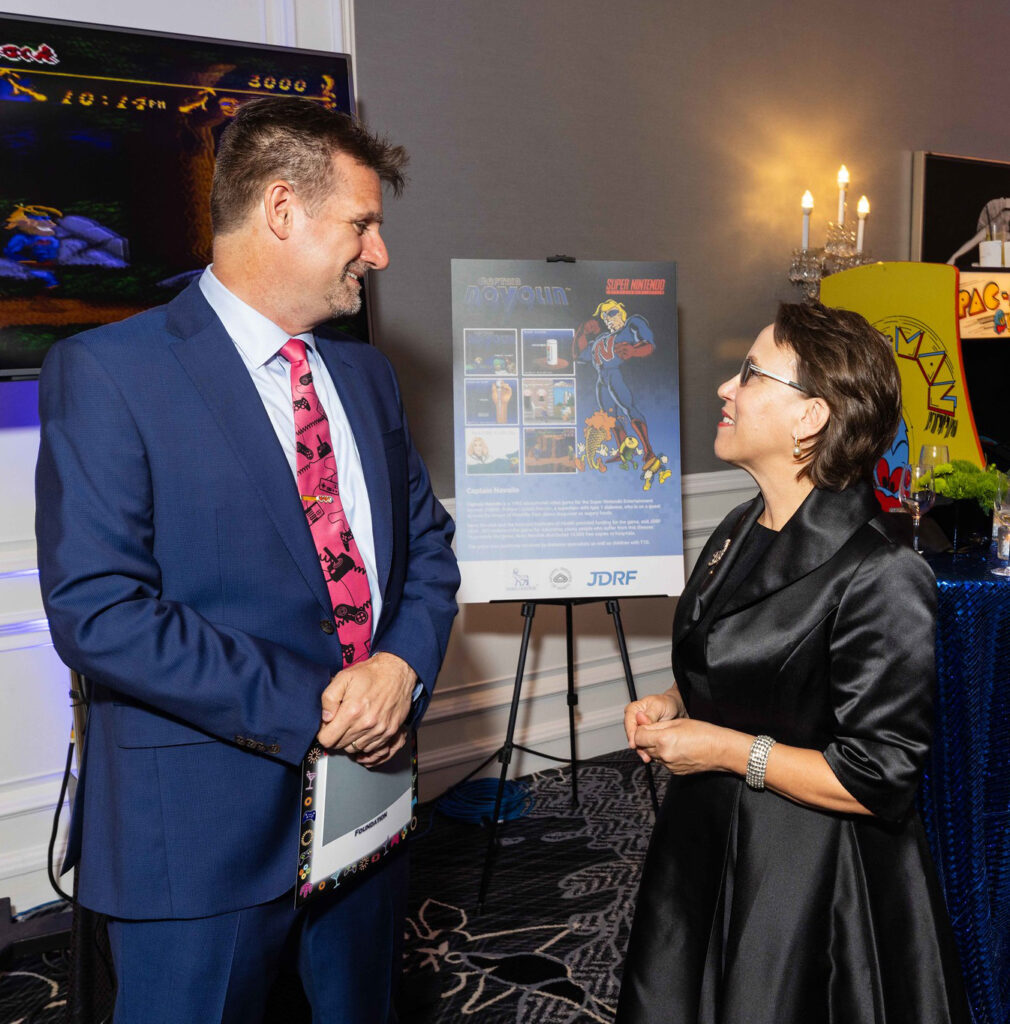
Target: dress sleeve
{"x": 882, "y": 680}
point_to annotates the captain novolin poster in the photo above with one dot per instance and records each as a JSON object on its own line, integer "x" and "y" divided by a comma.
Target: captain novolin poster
{"x": 567, "y": 429}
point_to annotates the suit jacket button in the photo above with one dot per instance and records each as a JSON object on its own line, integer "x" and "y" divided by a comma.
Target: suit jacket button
{"x": 274, "y": 748}
{"x": 327, "y": 627}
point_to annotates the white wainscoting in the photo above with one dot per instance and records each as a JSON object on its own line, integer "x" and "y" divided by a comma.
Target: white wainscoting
{"x": 34, "y": 732}
{"x": 464, "y": 725}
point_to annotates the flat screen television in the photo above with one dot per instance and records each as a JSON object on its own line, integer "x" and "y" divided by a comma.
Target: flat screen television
{"x": 107, "y": 142}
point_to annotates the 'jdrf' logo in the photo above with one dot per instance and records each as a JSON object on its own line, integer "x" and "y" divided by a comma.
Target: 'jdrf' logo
{"x": 617, "y": 578}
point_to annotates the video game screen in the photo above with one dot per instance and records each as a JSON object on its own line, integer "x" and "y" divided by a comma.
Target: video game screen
{"x": 107, "y": 142}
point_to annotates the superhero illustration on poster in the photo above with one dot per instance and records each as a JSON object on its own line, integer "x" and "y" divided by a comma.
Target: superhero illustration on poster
{"x": 583, "y": 499}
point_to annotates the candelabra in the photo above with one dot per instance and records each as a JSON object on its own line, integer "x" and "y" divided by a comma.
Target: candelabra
{"x": 843, "y": 249}
{"x": 810, "y": 265}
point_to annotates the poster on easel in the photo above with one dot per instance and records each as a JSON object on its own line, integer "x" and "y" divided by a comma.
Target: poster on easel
{"x": 567, "y": 429}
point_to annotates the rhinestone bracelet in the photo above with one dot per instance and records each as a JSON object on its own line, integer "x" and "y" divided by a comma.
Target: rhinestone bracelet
{"x": 757, "y": 762}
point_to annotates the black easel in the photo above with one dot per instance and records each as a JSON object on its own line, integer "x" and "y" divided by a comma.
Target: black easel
{"x": 505, "y": 753}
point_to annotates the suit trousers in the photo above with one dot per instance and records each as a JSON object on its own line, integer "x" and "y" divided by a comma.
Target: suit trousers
{"x": 346, "y": 948}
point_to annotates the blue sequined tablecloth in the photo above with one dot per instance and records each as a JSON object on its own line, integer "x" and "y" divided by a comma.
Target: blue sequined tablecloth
{"x": 965, "y": 795}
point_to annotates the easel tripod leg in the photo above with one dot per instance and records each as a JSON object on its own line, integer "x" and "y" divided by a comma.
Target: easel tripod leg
{"x": 573, "y": 699}
{"x": 614, "y": 608}
{"x": 505, "y": 754}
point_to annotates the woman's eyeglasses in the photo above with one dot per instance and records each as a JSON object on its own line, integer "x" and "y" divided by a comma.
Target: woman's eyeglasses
{"x": 748, "y": 368}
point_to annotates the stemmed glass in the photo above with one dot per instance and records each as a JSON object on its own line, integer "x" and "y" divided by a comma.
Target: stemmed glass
{"x": 933, "y": 455}
{"x": 917, "y": 492}
{"x": 1001, "y": 514}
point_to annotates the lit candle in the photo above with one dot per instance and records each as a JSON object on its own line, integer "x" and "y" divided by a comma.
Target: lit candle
{"x": 807, "y": 202}
{"x": 863, "y": 209}
{"x": 843, "y": 180}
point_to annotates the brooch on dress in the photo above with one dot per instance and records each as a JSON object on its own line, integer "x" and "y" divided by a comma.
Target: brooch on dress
{"x": 717, "y": 557}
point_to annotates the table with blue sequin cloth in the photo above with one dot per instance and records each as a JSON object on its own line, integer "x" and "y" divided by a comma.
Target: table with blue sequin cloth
{"x": 965, "y": 795}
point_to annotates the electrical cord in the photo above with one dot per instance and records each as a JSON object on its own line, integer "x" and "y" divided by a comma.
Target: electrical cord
{"x": 561, "y": 760}
{"x": 56, "y": 824}
{"x": 78, "y": 703}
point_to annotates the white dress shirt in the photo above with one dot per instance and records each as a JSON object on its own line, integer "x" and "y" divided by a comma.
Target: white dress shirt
{"x": 259, "y": 342}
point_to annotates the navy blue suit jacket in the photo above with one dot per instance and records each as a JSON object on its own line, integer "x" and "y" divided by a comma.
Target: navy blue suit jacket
{"x": 179, "y": 575}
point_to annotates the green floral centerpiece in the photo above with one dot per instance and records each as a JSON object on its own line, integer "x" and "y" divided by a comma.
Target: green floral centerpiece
{"x": 959, "y": 479}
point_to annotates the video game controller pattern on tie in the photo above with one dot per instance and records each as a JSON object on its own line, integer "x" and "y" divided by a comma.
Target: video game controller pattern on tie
{"x": 316, "y": 470}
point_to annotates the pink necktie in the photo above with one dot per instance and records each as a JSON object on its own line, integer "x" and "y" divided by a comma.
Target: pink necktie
{"x": 316, "y": 467}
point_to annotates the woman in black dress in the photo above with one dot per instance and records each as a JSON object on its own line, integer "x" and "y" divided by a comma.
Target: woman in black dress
{"x": 788, "y": 879}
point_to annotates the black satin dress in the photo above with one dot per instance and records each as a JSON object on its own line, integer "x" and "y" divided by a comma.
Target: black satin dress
{"x": 754, "y": 909}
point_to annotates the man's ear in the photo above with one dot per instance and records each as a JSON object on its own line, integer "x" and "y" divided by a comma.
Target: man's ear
{"x": 279, "y": 208}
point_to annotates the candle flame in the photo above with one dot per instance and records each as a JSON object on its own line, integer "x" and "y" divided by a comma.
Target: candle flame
{"x": 843, "y": 176}
{"x": 863, "y": 207}
{"x": 807, "y": 202}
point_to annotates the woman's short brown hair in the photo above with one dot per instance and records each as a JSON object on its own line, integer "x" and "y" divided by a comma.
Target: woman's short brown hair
{"x": 294, "y": 139}
{"x": 848, "y": 363}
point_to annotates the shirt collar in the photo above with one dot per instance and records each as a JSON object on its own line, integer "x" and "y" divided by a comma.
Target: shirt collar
{"x": 257, "y": 338}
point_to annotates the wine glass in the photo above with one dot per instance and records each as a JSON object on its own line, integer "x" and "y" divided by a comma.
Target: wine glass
{"x": 933, "y": 455}
{"x": 1001, "y": 517}
{"x": 917, "y": 492}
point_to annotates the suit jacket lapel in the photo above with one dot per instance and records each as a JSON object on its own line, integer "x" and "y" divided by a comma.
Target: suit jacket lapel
{"x": 362, "y": 415}
{"x": 818, "y": 529}
{"x": 216, "y": 369}
{"x": 713, "y": 563}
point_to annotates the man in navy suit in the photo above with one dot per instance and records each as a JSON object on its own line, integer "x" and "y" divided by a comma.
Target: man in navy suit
{"x": 180, "y": 575}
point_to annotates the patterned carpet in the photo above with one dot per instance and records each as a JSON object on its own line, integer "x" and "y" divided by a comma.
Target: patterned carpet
{"x": 549, "y": 946}
{"x": 33, "y": 991}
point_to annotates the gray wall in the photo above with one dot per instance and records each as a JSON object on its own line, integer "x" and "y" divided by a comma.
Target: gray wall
{"x": 652, "y": 130}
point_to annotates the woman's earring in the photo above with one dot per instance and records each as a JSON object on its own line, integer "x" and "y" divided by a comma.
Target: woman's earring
{"x": 797, "y": 452}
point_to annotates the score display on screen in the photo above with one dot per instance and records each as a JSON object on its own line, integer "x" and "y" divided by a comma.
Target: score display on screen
{"x": 107, "y": 139}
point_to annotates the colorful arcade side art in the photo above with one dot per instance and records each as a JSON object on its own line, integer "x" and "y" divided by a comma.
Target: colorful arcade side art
{"x": 983, "y": 304}
{"x": 915, "y": 306}
{"x": 567, "y": 431}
